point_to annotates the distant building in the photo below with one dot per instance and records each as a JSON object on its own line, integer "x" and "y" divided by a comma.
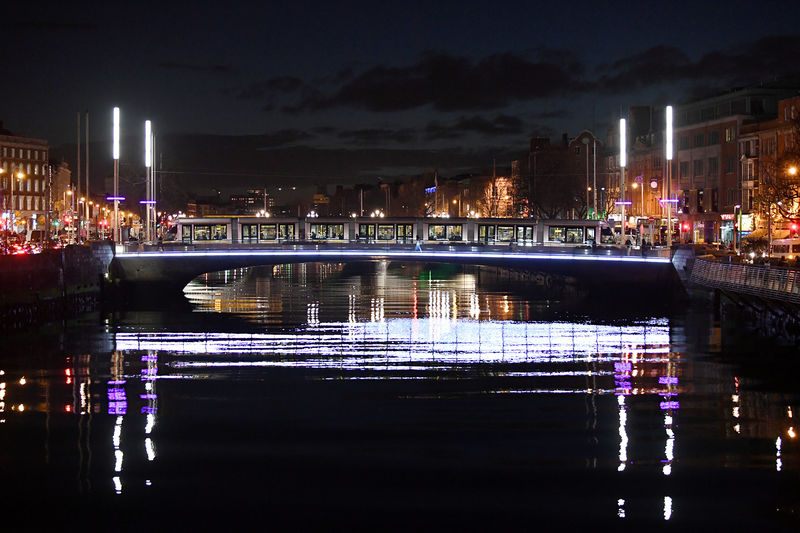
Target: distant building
{"x": 707, "y": 174}
{"x": 24, "y": 164}
{"x": 253, "y": 201}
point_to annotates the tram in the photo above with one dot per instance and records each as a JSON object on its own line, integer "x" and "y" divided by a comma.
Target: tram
{"x": 489, "y": 231}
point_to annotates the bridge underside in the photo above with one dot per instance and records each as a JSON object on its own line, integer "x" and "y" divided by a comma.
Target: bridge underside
{"x": 171, "y": 271}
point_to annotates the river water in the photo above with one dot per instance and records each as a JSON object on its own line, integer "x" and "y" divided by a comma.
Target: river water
{"x": 398, "y": 397}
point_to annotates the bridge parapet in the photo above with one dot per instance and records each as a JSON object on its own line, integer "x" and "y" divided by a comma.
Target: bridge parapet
{"x": 780, "y": 284}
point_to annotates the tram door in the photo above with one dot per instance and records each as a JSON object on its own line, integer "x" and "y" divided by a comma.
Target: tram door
{"x": 286, "y": 232}
{"x": 485, "y": 233}
{"x": 249, "y": 232}
{"x": 524, "y": 234}
{"x": 405, "y": 232}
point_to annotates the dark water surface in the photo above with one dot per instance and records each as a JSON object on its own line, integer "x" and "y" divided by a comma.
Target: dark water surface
{"x": 330, "y": 397}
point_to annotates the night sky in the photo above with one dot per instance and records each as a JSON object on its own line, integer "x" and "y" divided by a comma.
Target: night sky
{"x": 348, "y": 91}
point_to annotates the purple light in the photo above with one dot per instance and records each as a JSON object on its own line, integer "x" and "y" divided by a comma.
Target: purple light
{"x": 668, "y": 380}
{"x": 622, "y": 203}
{"x": 146, "y": 201}
{"x": 149, "y": 358}
{"x": 147, "y": 410}
{"x": 117, "y": 198}
{"x": 117, "y": 408}
{"x": 670, "y": 405}
{"x": 148, "y": 396}
{"x": 117, "y": 395}
{"x": 669, "y": 200}
{"x": 117, "y": 382}
{"x": 623, "y": 367}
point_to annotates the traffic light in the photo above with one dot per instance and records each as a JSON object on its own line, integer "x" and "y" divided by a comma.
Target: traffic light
{"x": 685, "y": 226}
{"x": 794, "y": 228}
{"x": 67, "y": 219}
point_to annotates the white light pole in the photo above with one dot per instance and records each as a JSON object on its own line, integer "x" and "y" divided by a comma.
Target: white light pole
{"x": 737, "y": 211}
{"x": 115, "y": 154}
{"x": 585, "y": 142}
{"x": 148, "y": 157}
{"x": 623, "y": 161}
{"x": 668, "y": 181}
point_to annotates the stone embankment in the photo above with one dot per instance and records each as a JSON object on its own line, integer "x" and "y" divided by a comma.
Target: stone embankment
{"x": 53, "y": 285}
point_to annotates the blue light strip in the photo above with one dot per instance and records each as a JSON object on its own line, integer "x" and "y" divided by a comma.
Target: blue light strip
{"x": 407, "y": 255}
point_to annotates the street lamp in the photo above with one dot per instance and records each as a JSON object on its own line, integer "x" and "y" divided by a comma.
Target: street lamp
{"x": 668, "y": 181}
{"x": 623, "y": 141}
{"x": 19, "y": 176}
{"x": 736, "y": 224}
{"x": 115, "y": 155}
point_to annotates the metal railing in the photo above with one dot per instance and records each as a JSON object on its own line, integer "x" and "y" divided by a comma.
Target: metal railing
{"x": 781, "y": 284}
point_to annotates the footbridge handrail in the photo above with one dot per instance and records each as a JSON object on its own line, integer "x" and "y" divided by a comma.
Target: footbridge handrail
{"x": 770, "y": 283}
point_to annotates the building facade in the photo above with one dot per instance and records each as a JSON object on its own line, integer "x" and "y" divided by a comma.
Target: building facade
{"x": 24, "y": 181}
{"x": 706, "y": 172}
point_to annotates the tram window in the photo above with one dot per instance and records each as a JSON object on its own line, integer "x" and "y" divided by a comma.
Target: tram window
{"x": 219, "y": 232}
{"x": 574, "y": 234}
{"x": 505, "y": 233}
{"x": 524, "y": 233}
{"x": 286, "y": 231}
{"x": 796, "y": 248}
{"x": 319, "y": 231}
{"x": 591, "y": 234}
{"x": 366, "y": 231}
{"x": 385, "y": 232}
{"x": 405, "y": 231}
{"x": 780, "y": 248}
{"x": 557, "y": 234}
{"x": 454, "y": 232}
{"x": 268, "y": 232}
{"x": 186, "y": 233}
{"x": 202, "y": 232}
{"x": 437, "y": 232}
{"x": 336, "y": 231}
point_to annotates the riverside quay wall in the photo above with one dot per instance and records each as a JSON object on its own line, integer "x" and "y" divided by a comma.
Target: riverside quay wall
{"x": 53, "y": 285}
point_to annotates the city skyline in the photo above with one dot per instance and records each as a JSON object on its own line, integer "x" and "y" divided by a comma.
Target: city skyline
{"x": 352, "y": 92}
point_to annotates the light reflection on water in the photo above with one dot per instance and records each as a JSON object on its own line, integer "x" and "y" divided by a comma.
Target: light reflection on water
{"x": 447, "y": 340}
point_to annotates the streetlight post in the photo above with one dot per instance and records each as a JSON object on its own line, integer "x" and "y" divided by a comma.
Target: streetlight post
{"x": 19, "y": 176}
{"x": 623, "y": 141}
{"x": 115, "y": 154}
{"x": 668, "y": 181}
{"x": 736, "y": 224}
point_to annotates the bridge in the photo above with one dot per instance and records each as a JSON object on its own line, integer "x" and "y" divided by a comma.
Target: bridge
{"x": 601, "y": 268}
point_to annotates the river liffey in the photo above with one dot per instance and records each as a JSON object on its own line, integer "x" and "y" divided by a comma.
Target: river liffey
{"x": 396, "y": 397}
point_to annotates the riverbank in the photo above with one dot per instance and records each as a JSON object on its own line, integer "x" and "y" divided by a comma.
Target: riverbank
{"x": 53, "y": 285}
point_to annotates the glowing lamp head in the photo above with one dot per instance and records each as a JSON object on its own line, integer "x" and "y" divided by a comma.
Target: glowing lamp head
{"x": 116, "y": 134}
{"x": 669, "y": 133}
{"x": 148, "y": 146}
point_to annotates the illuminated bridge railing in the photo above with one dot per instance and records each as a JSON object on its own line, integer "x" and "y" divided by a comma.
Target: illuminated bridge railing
{"x": 770, "y": 283}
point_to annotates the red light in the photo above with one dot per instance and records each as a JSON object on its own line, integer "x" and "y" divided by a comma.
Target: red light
{"x": 68, "y": 408}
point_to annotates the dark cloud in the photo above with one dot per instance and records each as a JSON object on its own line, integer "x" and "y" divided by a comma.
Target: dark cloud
{"x": 282, "y": 138}
{"x": 50, "y": 26}
{"x": 555, "y": 113}
{"x": 379, "y": 136}
{"x": 763, "y": 61}
{"x": 215, "y": 69}
{"x": 451, "y": 83}
{"x": 264, "y": 89}
{"x": 500, "y": 125}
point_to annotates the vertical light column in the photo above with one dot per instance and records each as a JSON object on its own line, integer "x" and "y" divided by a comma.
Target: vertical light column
{"x": 115, "y": 154}
{"x": 668, "y": 181}
{"x": 148, "y": 158}
{"x": 623, "y": 162}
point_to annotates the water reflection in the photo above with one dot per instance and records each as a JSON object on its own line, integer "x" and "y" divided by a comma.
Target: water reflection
{"x": 615, "y": 398}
